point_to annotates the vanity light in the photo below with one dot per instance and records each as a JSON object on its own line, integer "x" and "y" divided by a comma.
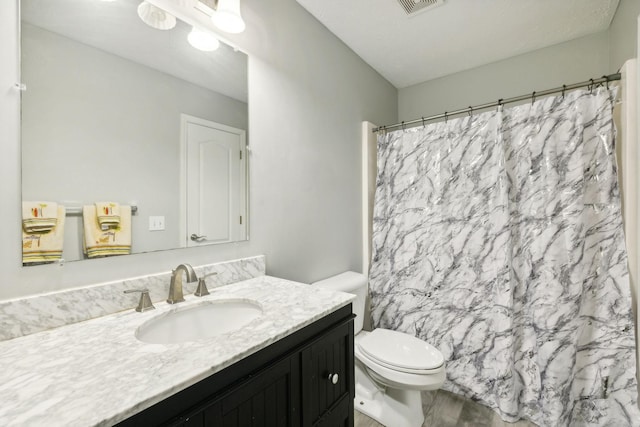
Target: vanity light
{"x": 156, "y": 17}
{"x": 203, "y": 40}
{"x": 227, "y": 16}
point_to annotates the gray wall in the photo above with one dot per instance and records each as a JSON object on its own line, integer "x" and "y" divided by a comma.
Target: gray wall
{"x": 99, "y": 127}
{"x": 622, "y": 34}
{"x": 308, "y": 94}
{"x": 569, "y": 62}
{"x": 573, "y": 61}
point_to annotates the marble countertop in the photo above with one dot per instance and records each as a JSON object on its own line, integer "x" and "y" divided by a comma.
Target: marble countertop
{"x": 97, "y": 373}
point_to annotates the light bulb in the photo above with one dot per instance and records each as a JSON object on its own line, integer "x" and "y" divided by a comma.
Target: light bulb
{"x": 156, "y": 17}
{"x": 203, "y": 40}
{"x": 227, "y": 16}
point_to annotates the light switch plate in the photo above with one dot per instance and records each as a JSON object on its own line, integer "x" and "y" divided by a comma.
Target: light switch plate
{"x": 156, "y": 223}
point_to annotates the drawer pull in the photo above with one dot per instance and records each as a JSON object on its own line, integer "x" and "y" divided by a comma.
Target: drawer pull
{"x": 333, "y": 378}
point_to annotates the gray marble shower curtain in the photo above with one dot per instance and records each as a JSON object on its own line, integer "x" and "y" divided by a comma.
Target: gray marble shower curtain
{"x": 498, "y": 238}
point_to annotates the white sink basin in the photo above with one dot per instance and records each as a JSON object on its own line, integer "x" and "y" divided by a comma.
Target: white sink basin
{"x": 200, "y": 321}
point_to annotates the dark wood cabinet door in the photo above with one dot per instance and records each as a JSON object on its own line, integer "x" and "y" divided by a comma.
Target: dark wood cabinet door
{"x": 338, "y": 415}
{"x": 269, "y": 399}
{"x": 327, "y": 372}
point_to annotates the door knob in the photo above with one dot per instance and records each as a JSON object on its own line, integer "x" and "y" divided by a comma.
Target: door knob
{"x": 197, "y": 238}
{"x": 333, "y": 378}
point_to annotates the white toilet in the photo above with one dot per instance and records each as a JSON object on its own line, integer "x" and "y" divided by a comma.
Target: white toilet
{"x": 391, "y": 367}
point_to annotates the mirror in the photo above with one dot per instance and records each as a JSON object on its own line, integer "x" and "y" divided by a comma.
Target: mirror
{"x": 115, "y": 110}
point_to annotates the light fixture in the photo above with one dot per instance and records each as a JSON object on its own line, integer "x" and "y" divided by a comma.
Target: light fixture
{"x": 227, "y": 16}
{"x": 203, "y": 40}
{"x": 156, "y": 17}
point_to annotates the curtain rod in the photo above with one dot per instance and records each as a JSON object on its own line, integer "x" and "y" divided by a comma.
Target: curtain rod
{"x": 500, "y": 102}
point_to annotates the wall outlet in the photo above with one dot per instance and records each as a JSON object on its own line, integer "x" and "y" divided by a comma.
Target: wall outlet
{"x": 156, "y": 223}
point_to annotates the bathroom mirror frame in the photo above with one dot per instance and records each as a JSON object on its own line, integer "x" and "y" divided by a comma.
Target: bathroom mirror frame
{"x": 173, "y": 180}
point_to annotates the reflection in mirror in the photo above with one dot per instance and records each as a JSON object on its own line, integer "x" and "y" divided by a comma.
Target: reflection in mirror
{"x": 117, "y": 111}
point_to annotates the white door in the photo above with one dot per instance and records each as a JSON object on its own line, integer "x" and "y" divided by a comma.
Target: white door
{"x": 213, "y": 182}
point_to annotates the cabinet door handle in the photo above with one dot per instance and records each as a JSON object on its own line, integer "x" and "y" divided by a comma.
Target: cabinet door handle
{"x": 333, "y": 378}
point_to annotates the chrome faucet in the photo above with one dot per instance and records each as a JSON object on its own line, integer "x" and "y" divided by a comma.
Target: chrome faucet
{"x": 175, "y": 288}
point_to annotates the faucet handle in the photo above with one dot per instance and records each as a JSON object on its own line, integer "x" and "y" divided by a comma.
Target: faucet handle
{"x": 202, "y": 290}
{"x": 145, "y": 301}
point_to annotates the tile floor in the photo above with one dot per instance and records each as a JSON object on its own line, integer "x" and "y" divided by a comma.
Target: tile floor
{"x": 445, "y": 409}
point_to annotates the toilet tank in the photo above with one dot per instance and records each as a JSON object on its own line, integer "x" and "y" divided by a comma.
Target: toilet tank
{"x": 353, "y": 283}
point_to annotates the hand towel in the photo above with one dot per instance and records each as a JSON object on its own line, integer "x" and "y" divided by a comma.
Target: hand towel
{"x": 39, "y": 217}
{"x": 113, "y": 241}
{"x": 108, "y": 214}
{"x": 43, "y": 247}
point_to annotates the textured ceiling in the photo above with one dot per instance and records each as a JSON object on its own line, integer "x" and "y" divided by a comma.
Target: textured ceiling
{"x": 459, "y": 35}
{"x": 115, "y": 27}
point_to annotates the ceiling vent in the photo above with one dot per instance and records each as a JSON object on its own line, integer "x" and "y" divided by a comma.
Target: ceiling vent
{"x": 411, "y": 7}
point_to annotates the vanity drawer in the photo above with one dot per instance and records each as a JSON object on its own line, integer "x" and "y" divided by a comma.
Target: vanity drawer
{"x": 328, "y": 377}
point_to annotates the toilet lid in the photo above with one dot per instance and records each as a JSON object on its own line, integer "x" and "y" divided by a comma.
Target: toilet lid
{"x": 397, "y": 349}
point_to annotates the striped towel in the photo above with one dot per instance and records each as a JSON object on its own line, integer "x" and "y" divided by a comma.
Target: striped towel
{"x": 109, "y": 242}
{"x": 108, "y": 214}
{"x": 39, "y": 217}
{"x": 44, "y": 247}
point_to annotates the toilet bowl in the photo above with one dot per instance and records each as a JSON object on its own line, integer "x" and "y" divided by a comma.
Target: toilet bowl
{"x": 391, "y": 367}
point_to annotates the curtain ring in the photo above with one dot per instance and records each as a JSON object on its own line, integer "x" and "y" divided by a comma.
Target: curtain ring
{"x": 470, "y": 110}
{"x": 403, "y": 126}
{"x": 591, "y": 86}
{"x": 500, "y": 104}
{"x": 564, "y": 89}
{"x": 446, "y": 117}
{"x": 423, "y": 126}
{"x": 533, "y": 97}
{"x": 606, "y": 78}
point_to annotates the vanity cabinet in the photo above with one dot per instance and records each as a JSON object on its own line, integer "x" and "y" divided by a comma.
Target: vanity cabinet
{"x": 304, "y": 379}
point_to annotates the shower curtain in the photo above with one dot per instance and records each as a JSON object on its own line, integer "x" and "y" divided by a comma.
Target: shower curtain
{"x": 498, "y": 238}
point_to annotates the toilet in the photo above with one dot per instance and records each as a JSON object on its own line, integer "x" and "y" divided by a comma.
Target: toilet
{"x": 391, "y": 367}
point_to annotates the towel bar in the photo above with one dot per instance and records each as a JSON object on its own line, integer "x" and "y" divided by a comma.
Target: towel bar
{"x": 77, "y": 210}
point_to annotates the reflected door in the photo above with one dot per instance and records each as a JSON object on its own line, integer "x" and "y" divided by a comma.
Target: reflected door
{"x": 215, "y": 181}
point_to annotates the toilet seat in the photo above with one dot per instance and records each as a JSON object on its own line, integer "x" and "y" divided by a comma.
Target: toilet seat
{"x": 427, "y": 380}
{"x": 401, "y": 380}
{"x": 401, "y": 352}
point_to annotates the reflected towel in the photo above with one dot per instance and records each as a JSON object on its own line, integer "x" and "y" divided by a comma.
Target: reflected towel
{"x": 39, "y": 216}
{"x": 108, "y": 214}
{"x": 113, "y": 241}
{"x": 42, "y": 247}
